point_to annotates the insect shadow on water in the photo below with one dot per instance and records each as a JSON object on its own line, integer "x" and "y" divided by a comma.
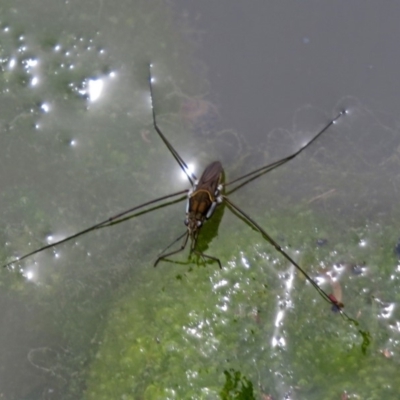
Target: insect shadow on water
{"x": 204, "y": 196}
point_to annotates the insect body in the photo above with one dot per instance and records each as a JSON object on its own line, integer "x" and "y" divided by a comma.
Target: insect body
{"x": 202, "y": 199}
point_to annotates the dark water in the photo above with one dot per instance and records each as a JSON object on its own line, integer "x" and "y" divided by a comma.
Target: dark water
{"x": 246, "y": 85}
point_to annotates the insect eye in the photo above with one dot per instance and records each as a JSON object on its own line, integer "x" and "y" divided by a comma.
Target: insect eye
{"x": 186, "y": 222}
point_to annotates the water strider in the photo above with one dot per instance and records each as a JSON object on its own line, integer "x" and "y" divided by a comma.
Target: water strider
{"x": 204, "y": 196}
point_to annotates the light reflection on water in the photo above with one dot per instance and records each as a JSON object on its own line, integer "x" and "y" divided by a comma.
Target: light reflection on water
{"x": 284, "y": 302}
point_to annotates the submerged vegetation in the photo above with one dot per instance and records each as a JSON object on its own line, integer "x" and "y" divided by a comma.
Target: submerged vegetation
{"x": 174, "y": 331}
{"x": 236, "y": 387}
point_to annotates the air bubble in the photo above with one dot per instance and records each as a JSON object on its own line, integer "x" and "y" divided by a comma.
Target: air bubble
{"x": 12, "y": 63}
{"x": 45, "y": 107}
{"x": 31, "y": 62}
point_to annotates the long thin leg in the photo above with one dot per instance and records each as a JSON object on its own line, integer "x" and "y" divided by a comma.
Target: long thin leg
{"x": 164, "y": 256}
{"x": 192, "y": 249}
{"x": 267, "y": 168}
{"x": 174, "y": 241}
{"x": 192, "y": 178}
{"x": 322, "y": 293}
{"x": 199, "y": 253}
{"x": 96, "y": 226}
{"x": 138, "y": 214}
